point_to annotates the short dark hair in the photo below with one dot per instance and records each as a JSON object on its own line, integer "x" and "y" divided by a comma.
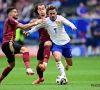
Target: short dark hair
{"x": 36, "y": 8}
{"x": 51, "y": 7}
{"x": 9, "y": 9}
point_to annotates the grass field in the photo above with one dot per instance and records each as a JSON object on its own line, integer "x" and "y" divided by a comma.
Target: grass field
{"x": 84, "y": 73}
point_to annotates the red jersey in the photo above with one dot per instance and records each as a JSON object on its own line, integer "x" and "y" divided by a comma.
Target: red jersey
{"x": 9, "y": 29}
{"x": 43, "y": 34}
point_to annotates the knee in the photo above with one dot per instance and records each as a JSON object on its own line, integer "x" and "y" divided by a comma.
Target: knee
{"x": 12, "y": 66}
{"x": 48, "y": 43}
{"x": 57, "y": 58}
{"x": 24, "y": 49}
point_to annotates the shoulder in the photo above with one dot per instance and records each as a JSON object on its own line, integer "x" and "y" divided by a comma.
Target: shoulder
{"x": 12, "y": 19}
{"x": 60, "y": 16}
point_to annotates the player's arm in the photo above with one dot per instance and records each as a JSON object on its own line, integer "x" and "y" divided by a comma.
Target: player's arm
{"x": 35, "y": 28}
{"x": 25, "y": 26}
{"x": 67, "y": 22}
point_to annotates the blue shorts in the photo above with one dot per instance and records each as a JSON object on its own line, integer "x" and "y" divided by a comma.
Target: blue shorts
{"x": 65, "y": 50}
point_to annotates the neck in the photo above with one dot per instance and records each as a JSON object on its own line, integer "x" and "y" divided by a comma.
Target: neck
{"x": 43, "y": 16}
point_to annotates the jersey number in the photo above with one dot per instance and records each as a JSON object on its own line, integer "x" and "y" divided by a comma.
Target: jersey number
{"x": 55, "y": 29}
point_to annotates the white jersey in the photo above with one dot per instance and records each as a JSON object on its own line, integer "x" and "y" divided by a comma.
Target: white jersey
{"x": 56, "y": 29}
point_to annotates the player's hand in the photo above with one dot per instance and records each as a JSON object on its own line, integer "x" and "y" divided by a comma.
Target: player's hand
{"x": 74, "y": 28}
{"x": 40, "y": 21}
{"x": 25, "y": 33}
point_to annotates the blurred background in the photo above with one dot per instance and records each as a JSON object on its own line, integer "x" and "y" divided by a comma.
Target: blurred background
{"x": 85, "y": 14}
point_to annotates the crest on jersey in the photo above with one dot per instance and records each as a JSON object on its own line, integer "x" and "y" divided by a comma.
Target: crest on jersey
{"x": 58, "y": 22}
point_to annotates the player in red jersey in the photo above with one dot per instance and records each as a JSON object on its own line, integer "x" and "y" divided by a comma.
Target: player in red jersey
{"x": 44, "y": 46}
{"x": 9, "y": 47}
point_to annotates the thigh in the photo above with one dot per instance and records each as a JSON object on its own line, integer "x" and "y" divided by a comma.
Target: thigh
{"x": 17, "y": 48}
{"x": 56, "y": 48}
{"x": 9, "y": 54}
{"x": 57, "y": 52}
{"x": 40, "y": 52}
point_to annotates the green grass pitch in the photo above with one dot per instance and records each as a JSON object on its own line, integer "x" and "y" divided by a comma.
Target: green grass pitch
{"x": 83, "y": 75}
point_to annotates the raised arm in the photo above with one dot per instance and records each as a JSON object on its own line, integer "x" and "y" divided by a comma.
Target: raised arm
{"x": 67, "y": 22}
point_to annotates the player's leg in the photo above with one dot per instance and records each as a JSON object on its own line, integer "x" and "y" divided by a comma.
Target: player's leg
{"x": 68, "y": 56}
{"x": 7, "y": 70}
{"x": 40, "y": 61}
{"x": 46, "y": 54}
{"x": 20, "y": 49}
{"x": 57, "y": 53}
{"x": 11, "y": 60}
{"x": 39, "y": 73}
{"x": 68, "y": 62}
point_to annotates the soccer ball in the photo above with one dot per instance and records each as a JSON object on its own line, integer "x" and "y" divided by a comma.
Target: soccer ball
{"x": 61, "y": 80}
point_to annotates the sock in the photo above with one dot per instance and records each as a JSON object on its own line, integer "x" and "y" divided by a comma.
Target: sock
{"x": 39, "y": 72}
{"x": 5, "y": 73}
{"x": 46, "y": 53}
{"x": 60, "y": 67}
{"x": 26, "y": 59}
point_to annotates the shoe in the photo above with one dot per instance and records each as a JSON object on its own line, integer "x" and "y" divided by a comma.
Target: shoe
{"x": 29, "y": 71}
{"x": 42, "y": 66}
{"x": 38, "y": 81}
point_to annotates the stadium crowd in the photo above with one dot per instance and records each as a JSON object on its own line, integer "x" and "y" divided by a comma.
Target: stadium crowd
{"x": 25, "y": 7}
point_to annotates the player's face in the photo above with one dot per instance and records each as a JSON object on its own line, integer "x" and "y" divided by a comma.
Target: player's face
{"x": 42, "y": 10}
{"x": 14, "y": 14}
{"x": 52, "y": 14}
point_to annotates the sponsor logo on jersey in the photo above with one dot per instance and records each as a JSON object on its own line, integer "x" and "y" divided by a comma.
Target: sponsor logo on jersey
{"x": 58, "y": 22}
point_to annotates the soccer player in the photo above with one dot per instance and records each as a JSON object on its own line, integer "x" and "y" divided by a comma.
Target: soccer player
{"x": 54, "y": 24}
{"x": 9, "y": 47}
{"x": 44, "y": 46}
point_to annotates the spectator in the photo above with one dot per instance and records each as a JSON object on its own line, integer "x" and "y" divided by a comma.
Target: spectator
{"x": 47, "y": 2}
{"x": 81, "y": 10}
{"x": 2, "y": 13}
{"x": 89, "y": 39}
{"x": 95, "y": 30}
{"x": 27, "y": 11}
{"x": 98, "y": 10}
{"x": 91, "y": 2}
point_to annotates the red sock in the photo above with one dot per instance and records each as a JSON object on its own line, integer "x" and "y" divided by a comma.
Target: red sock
{"x": 46, "y": 53}
{"x": 5, "y": 73}
{"x": 39, "y": 72}
{"x": 26, "y": 59}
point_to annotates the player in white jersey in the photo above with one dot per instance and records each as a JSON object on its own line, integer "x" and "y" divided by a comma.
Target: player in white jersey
{"x": 54, "y": 24}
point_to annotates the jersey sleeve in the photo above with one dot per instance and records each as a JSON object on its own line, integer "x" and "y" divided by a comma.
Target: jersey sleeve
{"x": 36, "y": 28}
{"x": 13, "y": 21}
{"x": 66, "y": 22}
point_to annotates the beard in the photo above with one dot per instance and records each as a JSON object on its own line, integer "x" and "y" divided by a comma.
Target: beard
{"x": 15, "y": 18}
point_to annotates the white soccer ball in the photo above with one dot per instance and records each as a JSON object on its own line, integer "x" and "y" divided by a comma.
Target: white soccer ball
{"x": 61, "y": 80}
